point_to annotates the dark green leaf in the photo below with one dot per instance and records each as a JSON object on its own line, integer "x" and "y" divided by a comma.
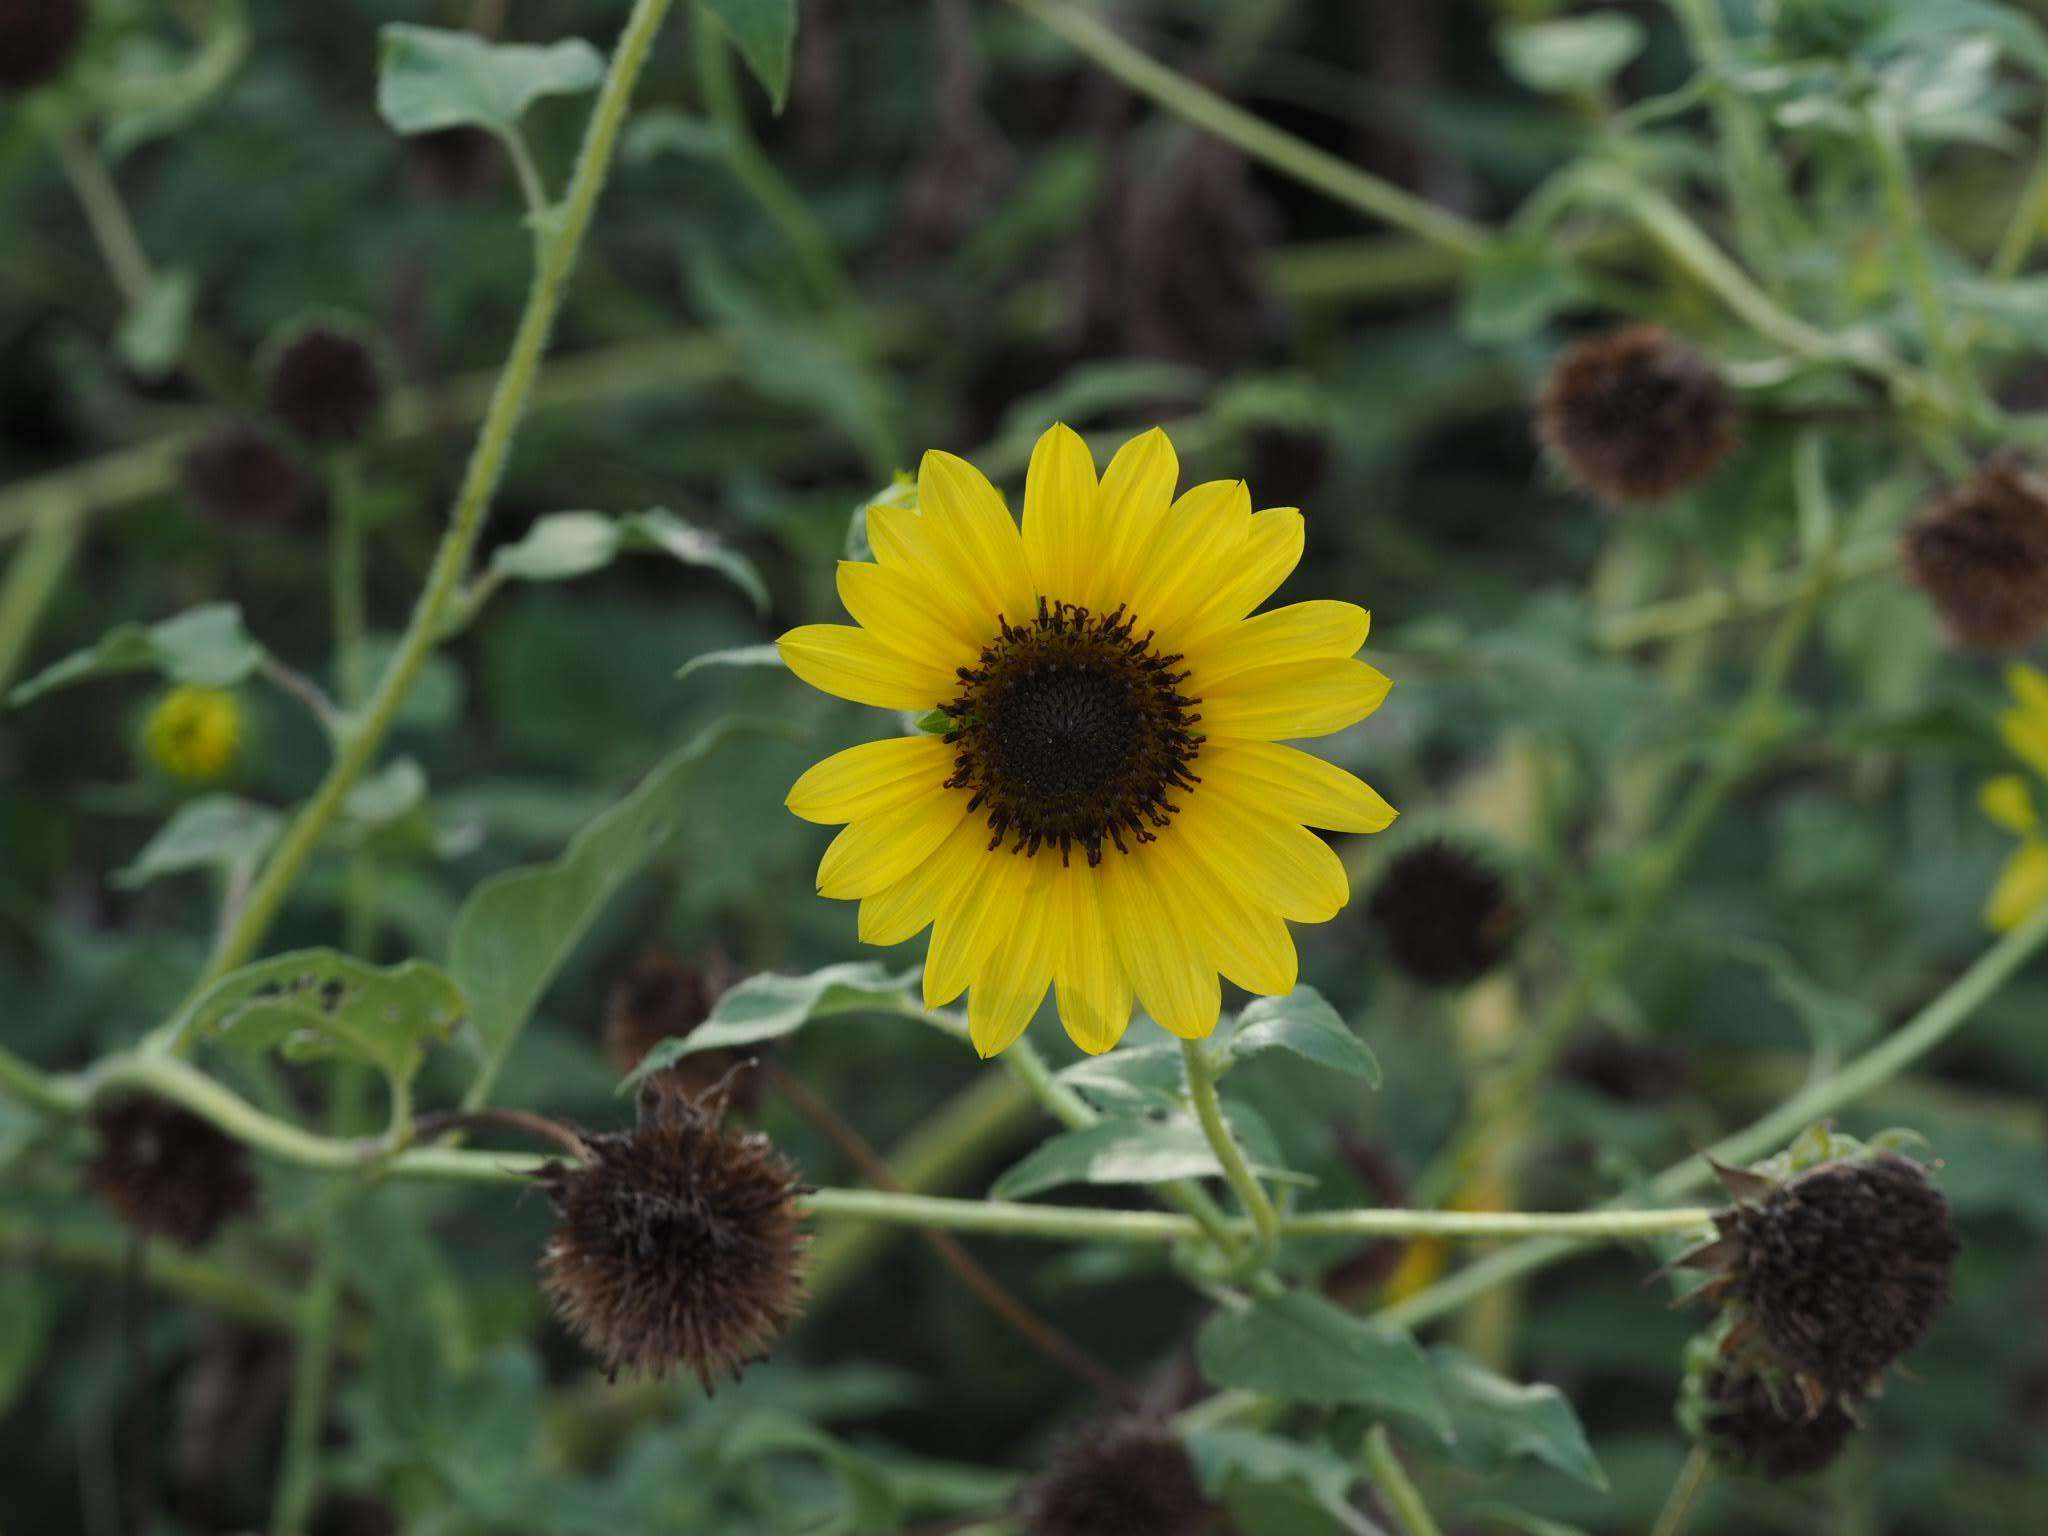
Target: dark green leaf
{"x": 1133, "y": 1078}
{"x": 1304, "y": 1349}
{"x": 764, "y": 31}
{"x": 564, "y": 545}
{"x": 1494, "y": 1420}
{"x": 206, "y": 646}
{"x": 432, "y": 79}
{"x": 212, "y": 832}
{"x": 1302, "y": 1022}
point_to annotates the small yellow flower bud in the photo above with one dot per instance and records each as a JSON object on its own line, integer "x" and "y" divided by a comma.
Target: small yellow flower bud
{"x": 194, "y": 734}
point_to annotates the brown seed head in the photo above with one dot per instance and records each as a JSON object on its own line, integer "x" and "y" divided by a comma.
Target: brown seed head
{"x": 325, "y": 383}
{"x": 661, "y": 998}
{"x": 1980, "y": 553}
{"x": 166, "y": 1172}
{"x": 1752, "y": 1427}
{"x": 238, "y": 474}
{"x": 1447, "y": 916}
{"x": 1130, "y": 1477}
{"x": 36, "y": 40}
{"x": 678, "y": 1243}
{"x": 1635, "y": 415}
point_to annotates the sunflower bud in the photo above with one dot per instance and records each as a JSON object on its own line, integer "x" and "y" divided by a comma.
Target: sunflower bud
{"x": 676, "y": 1244}
{"x": 1836, "y": 1271}
{"x": 194, "y": 734}
{"x": 1635, "y": 415}
{"x": 238, "y": 474}
{"x": 324, "y": 381}
{"x": 36, "y": 40}
{"x": 167, "y": 1173}
{"x": 1116, "y": 1481}
{"x": 1980, "y": 553}
{"x": 1447, "y": 915}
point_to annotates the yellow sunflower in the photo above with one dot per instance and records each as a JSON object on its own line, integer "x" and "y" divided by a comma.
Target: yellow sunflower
{"x": 1109, "y": 813}
{"x": 2009, "y": 800}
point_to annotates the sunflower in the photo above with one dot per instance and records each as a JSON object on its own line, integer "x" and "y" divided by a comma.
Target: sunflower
{"x": 1103, "y": 806}
{"x": 2009, "y": 800}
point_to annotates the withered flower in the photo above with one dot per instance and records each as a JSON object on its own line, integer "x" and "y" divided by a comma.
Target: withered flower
{"x": 1129, "y": 1477}
{"x": 167, "y": 1173}
{"x": 1980, "y": 553}
{"x": 1447, "y": 915}
{"x": 1635, "y": 415}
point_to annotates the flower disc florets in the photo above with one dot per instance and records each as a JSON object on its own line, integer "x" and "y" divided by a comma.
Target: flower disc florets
{"x": 1636, "y": 415}
{"x": 1130, "y": 1478}
{"x": 1980, "y": 554}
{"x": 1768, "y": 1431}
{"x": 1448, "y": 916}
{"x": 36, "y": 40}
{"x": 678, "y": 1243}
{"x": 1073, "y": 730}
{"x": 167, "y": 1173}
{"x": 326, "y": 383}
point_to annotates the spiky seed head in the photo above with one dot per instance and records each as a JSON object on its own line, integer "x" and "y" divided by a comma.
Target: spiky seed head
{"x": 37, "y": 38}
{"x": 1447, "y": 915}
{"x": 1764, "y": 1428}
{"x": 662, "y": 998}
{"x": 1634, "y": 416}
{"x": 1980, "y": 553}
{"x": 1129, "y": 1477}
{"x": 324, "y": 380}
{"x": 238, "y": 474}
{"x": 676, "y": 1244}
{"x": 167, "y": 1173}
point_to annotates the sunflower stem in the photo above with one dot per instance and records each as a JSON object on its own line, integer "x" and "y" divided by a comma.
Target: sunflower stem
{"x": 1237, "y": 1172}
{"x": 1693, "y": 1478}
{"x": 1396, "y": 1487}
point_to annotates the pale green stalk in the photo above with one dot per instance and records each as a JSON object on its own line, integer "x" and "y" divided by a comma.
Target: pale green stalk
{"x": 33, "y": 577}
{"x": 1237, "y": 1172}
{"x": 2027, "y": 216}
{"x": 1754, "y": 190}
{"x": 1396, "y": 1487}
{"x": 1909, "y": 234}
{"x": 106, "y": 215}
{"x": 1672, "y": 617}
{"x": 1693, "y": 1478}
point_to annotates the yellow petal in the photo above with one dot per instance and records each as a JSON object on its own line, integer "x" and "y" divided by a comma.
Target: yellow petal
{"x": 1272, "y": 549}
{"x": 1302, "y": 698}
{"x": 1131, "y": 502}
{"x": 2009, "y": 801}
{"x": 850, "y": 663}
{"x": 875, "y": 852}
{"x": 1268, "y": 862}
{"x": 1248, "y": 944}
{"x": 1013, "y": 981}
{"x": 1094, "y": 992}
{"x": 870, "y": 778}
{"x": 1196, "y": 548}
{"x": 1290, "y": 783}
{"x": 962, "y": 507}
{"x": 898, "y": 611}
{"x": 1168, "y": 971}
{"x": 2026, "y": 732}
{"x": 2022, "y": 887}
{"x": 2029, "y": 687}
{"x": 901, "y": 911}
{"x": 972, "y": 920}
{"x": 1299, "y": 632}
{"x": 1059, "y": 514}
{"x": 908, "y": 546}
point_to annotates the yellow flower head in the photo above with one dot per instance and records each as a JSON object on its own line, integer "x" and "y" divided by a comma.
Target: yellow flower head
{"x": 1109, "y": 813}
{"x": 193, "y": 734}
{"x": 2009, "y": 800}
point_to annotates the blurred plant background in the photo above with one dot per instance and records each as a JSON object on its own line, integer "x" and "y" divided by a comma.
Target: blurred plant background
{"x": 1720, "y": 754}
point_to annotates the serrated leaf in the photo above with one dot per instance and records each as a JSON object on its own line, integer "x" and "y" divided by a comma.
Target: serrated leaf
{"x": 768, "y": 1006}
{"x": 213, "y": 832}
{"x": 1572, "y": 53}
{"x": 1495, "y": 1420}
{"x": 737, "y": 656}
{"x": 206, "y": 646}
{"x": 516, "y": 929}
{"x": 1302, "y": 1022}
{"x": 1136, "y": 1077}
{"x": 316, "y": 1004}
{"x": 764, "y": 31}
{"x": 1139, "y": 1149}
{"x": 1302, "y": 1348}
{"x": 429, "y": 79}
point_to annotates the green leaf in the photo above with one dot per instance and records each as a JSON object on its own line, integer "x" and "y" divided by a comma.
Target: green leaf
{"x": 152, "y": 334}
{"x": 431, "y": 79}
{"x": 871, "y": 1496}
{"x": 1134, "y": 1149}
{"x": 1225, "y": 1456}
{"x": 26, "y": 1310}
{"x": 738, "y": 656}
{"x": 1133, "y": 1078}
{"x": 1515, "y": 286}
{"x": 516, "y": 929}
{"x": 1302, "y": 1022}
{"x": 767, "y": 1007}
{"x": 212, "y": 832}
{"x": 564, "y": 545}
{"x": 764, "y": 31}
{"x": 1573, "y": 53}
{"x": 665, "y": 131}
{"x": 1302, "y": 1348}
{"x": 1494, "y": 1420}
{"x": 660, "y": 530}
{"x": 389, "y": 795}
{"x": 207, "y": 646}
{"x": 316, "y": 1004}
{"x": 935, "y": 722}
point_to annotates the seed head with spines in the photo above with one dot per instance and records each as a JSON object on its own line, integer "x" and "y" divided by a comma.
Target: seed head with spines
{"x": 1980, "y": 554}
{"x": 165, "y": 1172}
{"x": 1635, "y": 416}
{"x": 1118, "y": 1480}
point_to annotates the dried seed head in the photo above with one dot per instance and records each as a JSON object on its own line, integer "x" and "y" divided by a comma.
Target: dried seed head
{"x": 678, "y": 1243}
{"x": 36, "y": 40}
{"x": 166, "y": 1172}
{"x": 453, "y": 164}
{"x": 238, "y": 474}
{"x": 1447, "y": 916}
{"x": 1635, "y": 415}
{"x": 1766, "y": 1431}
{"x": 1980, "y": 553}
{"x": 1127, "y": 1478}
{"x": 324, "y": 382}
{"x": 1838, "y": 1270}
{"x": 661, "y": 998}
{"x": 1622, "y": 1067}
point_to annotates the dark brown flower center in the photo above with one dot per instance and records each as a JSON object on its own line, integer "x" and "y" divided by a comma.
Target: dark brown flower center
{"x": 1073, "y": 729}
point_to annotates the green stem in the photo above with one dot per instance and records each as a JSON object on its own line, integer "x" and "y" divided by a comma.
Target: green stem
{"x": 106, "y": 215}
{"x": 1753, "y": 189}
{"x": 298, "y": 1480}
{"x": 33, "y": 577}
{"x": 557, "y": 261}
{"x": 531, "y": 184}
{"x": 1237, "y": 1172}
{"x": 36, "y": 1089}
{"x": 345, "y": 574}
{"x": 1396, "y": 1487}
{"x": 1696, "y": 611}
{"x": 1693, "y": 1478}
{"x": 2027, "y": 215}
{"x": 1927, "y": 1029}
{"x": 1909, "y": 231}
{"x": 1256, "y": 137}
